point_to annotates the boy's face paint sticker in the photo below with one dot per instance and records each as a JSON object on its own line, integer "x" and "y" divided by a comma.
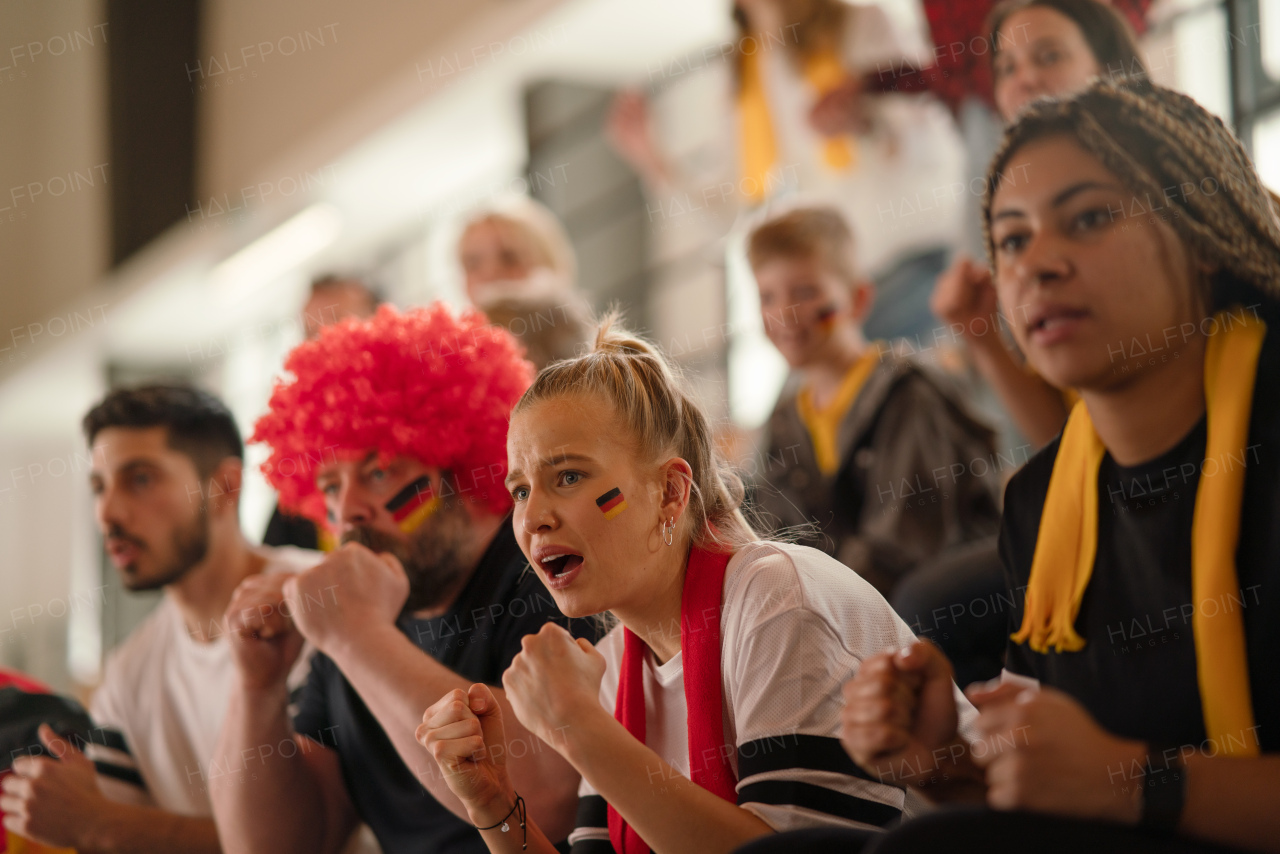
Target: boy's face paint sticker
{"x": 413, "y": 505}
{"x": 612, "y": 503}
{"x": 827, "y": 318}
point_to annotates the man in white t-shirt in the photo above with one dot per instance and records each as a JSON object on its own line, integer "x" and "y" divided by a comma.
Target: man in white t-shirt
{"x": 166, "y": 482}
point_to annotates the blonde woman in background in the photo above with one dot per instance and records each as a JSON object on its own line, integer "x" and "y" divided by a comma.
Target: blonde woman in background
{"x": 519, "y": 268}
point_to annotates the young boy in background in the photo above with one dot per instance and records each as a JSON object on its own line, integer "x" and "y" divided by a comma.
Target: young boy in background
{"x": 900, "y": 480}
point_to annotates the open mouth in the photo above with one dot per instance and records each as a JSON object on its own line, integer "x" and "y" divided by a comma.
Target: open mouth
{"x": 557, "y": 565}
{"x": 1057, "y": 318}
{"x": 121, "y": 551}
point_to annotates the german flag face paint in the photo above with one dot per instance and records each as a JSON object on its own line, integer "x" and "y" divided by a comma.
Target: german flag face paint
{"x": 827, "y": 318}
{"x": 413, "y": 505}
{"x": 611, "y": 503}
{"x": 327, "y": 534}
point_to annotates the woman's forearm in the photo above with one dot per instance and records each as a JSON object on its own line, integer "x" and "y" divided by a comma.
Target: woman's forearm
{"x": 145, "y": 830}
{"x": 669, "y": 811}
{"x": 397, "y": 680}
{"x": 491, "y": 818}
{"x": 271, "y": 807}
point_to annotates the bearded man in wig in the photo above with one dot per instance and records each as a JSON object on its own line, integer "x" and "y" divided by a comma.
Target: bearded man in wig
{"x": 407, "y": 416}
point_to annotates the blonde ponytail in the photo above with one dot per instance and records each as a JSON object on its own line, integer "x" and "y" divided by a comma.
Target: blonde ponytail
{"x": 663, "y": 419}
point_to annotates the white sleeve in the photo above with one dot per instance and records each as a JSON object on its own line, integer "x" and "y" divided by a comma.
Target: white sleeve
{"x": 1011, "y": 678}
{"x": 119, "y": 776}
{"x": 872, "y": 41}
{"x": 785, "y": 690}
{"x": 104, "y": 706}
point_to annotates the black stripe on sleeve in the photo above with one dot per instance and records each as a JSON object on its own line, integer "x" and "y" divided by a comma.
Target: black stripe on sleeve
{"x": 111, "y": 738}
{"x": 119, "y": 772}
{"x": 820, "y": 799}
{"x": 812, "y": 752}
{"x": 99, "y": 736}
{"x": 592, "y": 812}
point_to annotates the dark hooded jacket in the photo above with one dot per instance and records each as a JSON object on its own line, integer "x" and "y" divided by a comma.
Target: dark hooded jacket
{"x": 918, "y": 474}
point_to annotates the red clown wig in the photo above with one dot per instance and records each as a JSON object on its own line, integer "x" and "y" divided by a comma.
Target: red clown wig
{"x": 426, "y": 384}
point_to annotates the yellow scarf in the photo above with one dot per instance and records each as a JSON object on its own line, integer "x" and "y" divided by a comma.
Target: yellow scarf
{"x": 1068, "y": 539}
{"x": 823, "y": 72}
{"x": 824, "y": 424}
{"x": 22, "y": 845}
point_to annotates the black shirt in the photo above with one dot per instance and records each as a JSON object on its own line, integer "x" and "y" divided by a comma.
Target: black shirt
{"x": 286, "y": 530}
{"x": 1137, "y": 671}
{"x": 476, "y": 639}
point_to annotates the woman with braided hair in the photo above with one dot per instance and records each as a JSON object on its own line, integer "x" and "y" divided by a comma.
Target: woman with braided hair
{"x": 1139, "y": 711}
{"x": 1038, "y": 48}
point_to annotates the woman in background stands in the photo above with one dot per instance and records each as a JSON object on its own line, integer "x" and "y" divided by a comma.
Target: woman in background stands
{"x": 1038, "y": 48}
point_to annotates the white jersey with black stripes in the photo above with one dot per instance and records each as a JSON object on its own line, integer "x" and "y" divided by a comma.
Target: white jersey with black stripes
{"x": 795, "y": 624}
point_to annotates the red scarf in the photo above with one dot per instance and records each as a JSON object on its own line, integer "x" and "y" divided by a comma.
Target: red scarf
{"x": 703, "y": 697}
